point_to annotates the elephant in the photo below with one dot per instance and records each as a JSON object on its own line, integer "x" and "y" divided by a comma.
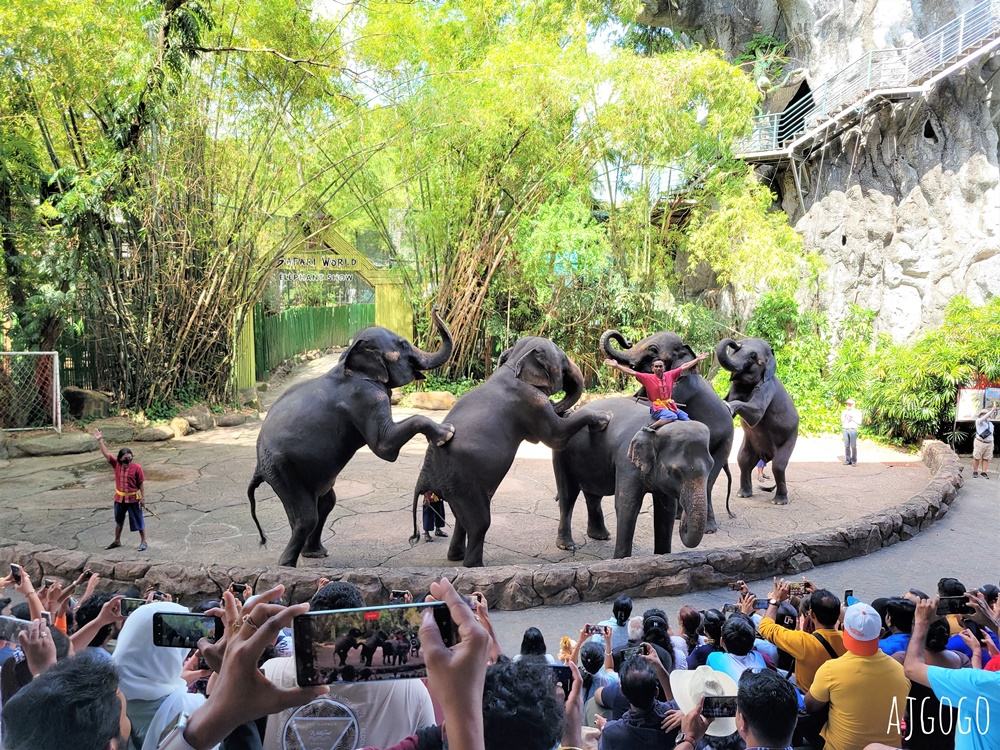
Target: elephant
{"x": 314, "y": 429}
{"x": 700, "y": 400}
{"x": 346, "y": 643}
{"x": 770, "y": 421}
{"x": 371, "y": 645}
{"x": 395, "y": 652}
{"x": 673, "y": 464}
{"x": 490, "y": 422}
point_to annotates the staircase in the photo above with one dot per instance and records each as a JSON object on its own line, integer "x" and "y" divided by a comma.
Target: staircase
{"x": 886, "y": 75}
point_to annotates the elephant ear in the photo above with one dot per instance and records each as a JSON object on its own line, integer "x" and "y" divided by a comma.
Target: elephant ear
{"x": 533, "y": 369}
{"x": 503, "y": 357}
{"x": 686, "y": 349}
{"x": 363, "y": 359}
{"x": 771, "y": 366}
{"x": 642, "y": 450}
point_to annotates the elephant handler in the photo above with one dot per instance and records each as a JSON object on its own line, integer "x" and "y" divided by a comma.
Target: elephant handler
{"x": 433, "y": 516}
{"x": 660, "y": 387}
{"x": 130, "y": 497}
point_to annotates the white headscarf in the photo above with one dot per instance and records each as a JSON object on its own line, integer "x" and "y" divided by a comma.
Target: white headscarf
{"x": 150, "y": 673}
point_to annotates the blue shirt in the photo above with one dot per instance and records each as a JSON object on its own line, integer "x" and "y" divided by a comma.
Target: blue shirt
{"x": 955, "y": 643}
{"x": 973, "y": 692}
{"x": 894, "y": 643}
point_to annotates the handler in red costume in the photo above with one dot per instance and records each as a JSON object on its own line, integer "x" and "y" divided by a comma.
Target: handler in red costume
{"x": 659, "y": 388}
{"x": 129, "y": 494}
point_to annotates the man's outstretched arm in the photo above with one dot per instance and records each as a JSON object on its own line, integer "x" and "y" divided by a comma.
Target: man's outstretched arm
{"x": 620, "y": 368}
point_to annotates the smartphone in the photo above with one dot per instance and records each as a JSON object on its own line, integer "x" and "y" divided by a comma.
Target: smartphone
{"x": 848, "y": 594}
{"x": 593, "y": 629}
{"x": 472, "y": 601}
{"x": 237, "y": 587}
{"x": 760, "y": 603}
{"x": 736, "y": 585}
{"x": 954, "y": 605}
{"x": 49, "y": 582}
{"x": 15, "y": 572}
{"x": 10, "y": 627}
{"x": 639, "y": 650}
{"x": 562, "y": 675}
{"x": 366, "y": 644}
{"x": 719, "y": 706}
{"x": 184, "y": 629}
{"x": 730, "y": 609}
{"x": 798, "y": 588}
{"x": 47, "y": 617}
{"x": 128, "y": 606}
{"x": 88, "y": 574}
{"x": 396, "y": 595}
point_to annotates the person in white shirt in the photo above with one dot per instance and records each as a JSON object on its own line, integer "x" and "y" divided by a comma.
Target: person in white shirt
{"x": 982, "y": 446}
{"x": 850, "y": 420}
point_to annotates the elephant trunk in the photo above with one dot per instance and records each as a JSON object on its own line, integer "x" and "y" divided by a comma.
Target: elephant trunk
{"x": 429, "y": 360}
{"x": 722, "y": 352}
{"x": 572, "y": 387}
{"x": 616, "y": 354}
{"x": 694, "y": 502}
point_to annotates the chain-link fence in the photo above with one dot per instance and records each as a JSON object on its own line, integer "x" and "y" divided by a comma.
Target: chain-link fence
{"x": 29, "y": 391}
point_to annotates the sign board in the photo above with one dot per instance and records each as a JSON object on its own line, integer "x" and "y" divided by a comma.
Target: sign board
{"x": 970, "y": 401}
{"x": 992, "y": 397}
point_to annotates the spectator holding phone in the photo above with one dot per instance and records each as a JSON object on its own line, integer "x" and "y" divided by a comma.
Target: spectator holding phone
{"x": 641, "y": 726}
{"x": 982, "y": 446}
{"x": 899, "y": 622}
{"x": 597, "y": 664}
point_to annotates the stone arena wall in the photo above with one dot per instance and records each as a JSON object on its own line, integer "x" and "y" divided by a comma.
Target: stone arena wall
{"x": 514, "y": 587}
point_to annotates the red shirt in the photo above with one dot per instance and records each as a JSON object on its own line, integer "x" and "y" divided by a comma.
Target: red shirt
{"x": 128, "y": 480}
{"x": 660, "y": 390}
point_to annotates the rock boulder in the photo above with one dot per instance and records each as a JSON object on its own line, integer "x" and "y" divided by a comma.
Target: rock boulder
{"x": 232, "y": 419}
{"x": 86, "y": 404}
{"x": 199, "y": 417}
{"x": 53, "y": 445}
{"x": 116, "y": 431}
{"x": 155, "y": 434}
{"x": 433, "y": 400}
{"x": 180, "y": 426}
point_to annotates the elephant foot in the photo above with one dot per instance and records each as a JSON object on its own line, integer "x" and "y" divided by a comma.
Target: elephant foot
{"x": 601, "y": 422}
{"x": 780, "y": 500}
{"x": 318, "y": 552}
{"x": 744, "y": 493}
{"x": 566, "y": 543}
{"x": 601, "y": 533}
{"x": 446, "y": 433}
{"x": 456, "y": 556}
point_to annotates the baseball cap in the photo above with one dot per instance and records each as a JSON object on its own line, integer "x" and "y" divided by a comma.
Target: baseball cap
{"x": 850, "y": 402}
{"x": 862, "y": 628}
{"x": 787, "y": 616}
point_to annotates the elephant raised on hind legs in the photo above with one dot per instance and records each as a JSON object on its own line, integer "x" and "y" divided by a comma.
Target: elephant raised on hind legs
{"x": 770, "y": 421}
{"x": 316, "y": 427}
{"x": 490, "y": 422}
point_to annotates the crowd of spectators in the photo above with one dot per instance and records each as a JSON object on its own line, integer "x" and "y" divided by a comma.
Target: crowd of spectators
{"x": 799, "y": 668}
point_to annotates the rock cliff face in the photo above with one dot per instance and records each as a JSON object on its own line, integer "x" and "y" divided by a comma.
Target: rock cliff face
{"x": 905, "y": 205}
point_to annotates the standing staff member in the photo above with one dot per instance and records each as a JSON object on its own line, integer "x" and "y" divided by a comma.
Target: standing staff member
{"x": 982, "y": 446}
{"x": 850, "y": 420}
{"x": 433, "y": 516}
{"x": 129, "y": 493}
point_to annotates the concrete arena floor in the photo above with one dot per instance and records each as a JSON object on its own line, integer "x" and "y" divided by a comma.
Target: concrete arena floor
{"x": 197, "y": 486}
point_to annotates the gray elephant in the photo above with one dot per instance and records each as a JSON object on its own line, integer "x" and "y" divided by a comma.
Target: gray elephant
{"x": 770, "y": 421}
{"x": 700, "y": 400}
{"x": 490, "y": 422}
{"x": 314, "y": 429}
{"x": 673, "y": 464}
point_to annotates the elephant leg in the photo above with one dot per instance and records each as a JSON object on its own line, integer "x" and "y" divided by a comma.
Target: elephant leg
{"x": 664, "y": 514}
{"x": 596, "y": 528}
{"x": 778, "y": 466}
{"x": 386, "y": 437}
{"x": 456, "y": 549}
{"x": 567, "y": 491}
{"x": 747, "y": 460}
{"x": 477, "y": 536}
{"x": 314, "y": 547}
{"x": 627, "y": 507}
{"x": 300, "y": 508}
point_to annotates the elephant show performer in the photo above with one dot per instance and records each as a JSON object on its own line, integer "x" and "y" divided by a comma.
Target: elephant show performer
{"x": 129, "y": 493}
{"x": 433, "y": 516}
{"x": 660, "y": 387}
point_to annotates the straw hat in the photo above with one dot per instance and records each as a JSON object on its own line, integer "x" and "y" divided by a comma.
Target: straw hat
{"x": 688, "y": 685}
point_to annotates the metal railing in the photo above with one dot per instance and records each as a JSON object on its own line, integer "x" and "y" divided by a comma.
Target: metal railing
{"x": 884, "y": 69}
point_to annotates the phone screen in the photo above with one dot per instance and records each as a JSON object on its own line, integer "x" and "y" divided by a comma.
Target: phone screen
{"x": 16, "y": 574}
{"x": 128, "y": 606}
{"x": 47, "y": 617}
{"x": 797, "y": 589}
{"x": 761, "y": 603}
{"x": 730, "y": 609}
{"x": 633, "y": 651}
{"x": 719, "y": 706}
{"x": 10, "y": 627}
{"x": 361, "y": 645}
{"x": 184, "y": 629}
{"x": 562, "y": 675}
{"x": 954, "y": 605}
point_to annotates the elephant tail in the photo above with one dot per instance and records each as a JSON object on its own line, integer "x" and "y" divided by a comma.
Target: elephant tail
{"x": 417, "y": 492}
{"x": 256, "y": 481}
{"x": 729, "y": 488}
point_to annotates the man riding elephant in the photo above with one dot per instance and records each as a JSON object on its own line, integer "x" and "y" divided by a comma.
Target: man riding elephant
{"x": 660, "y": 389}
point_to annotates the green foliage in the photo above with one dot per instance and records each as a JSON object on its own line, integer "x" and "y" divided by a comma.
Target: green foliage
{"x": 160, "y": 411}
{"x": 433, "y": 382}
{"x": 766, "y": 54}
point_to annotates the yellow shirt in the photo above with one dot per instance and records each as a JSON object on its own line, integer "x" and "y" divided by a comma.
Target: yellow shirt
{"x": 867, "y": 697}
{"x": 809, "y": 653}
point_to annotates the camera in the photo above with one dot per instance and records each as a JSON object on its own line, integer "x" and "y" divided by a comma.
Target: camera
{"x": 594, "y": 629}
